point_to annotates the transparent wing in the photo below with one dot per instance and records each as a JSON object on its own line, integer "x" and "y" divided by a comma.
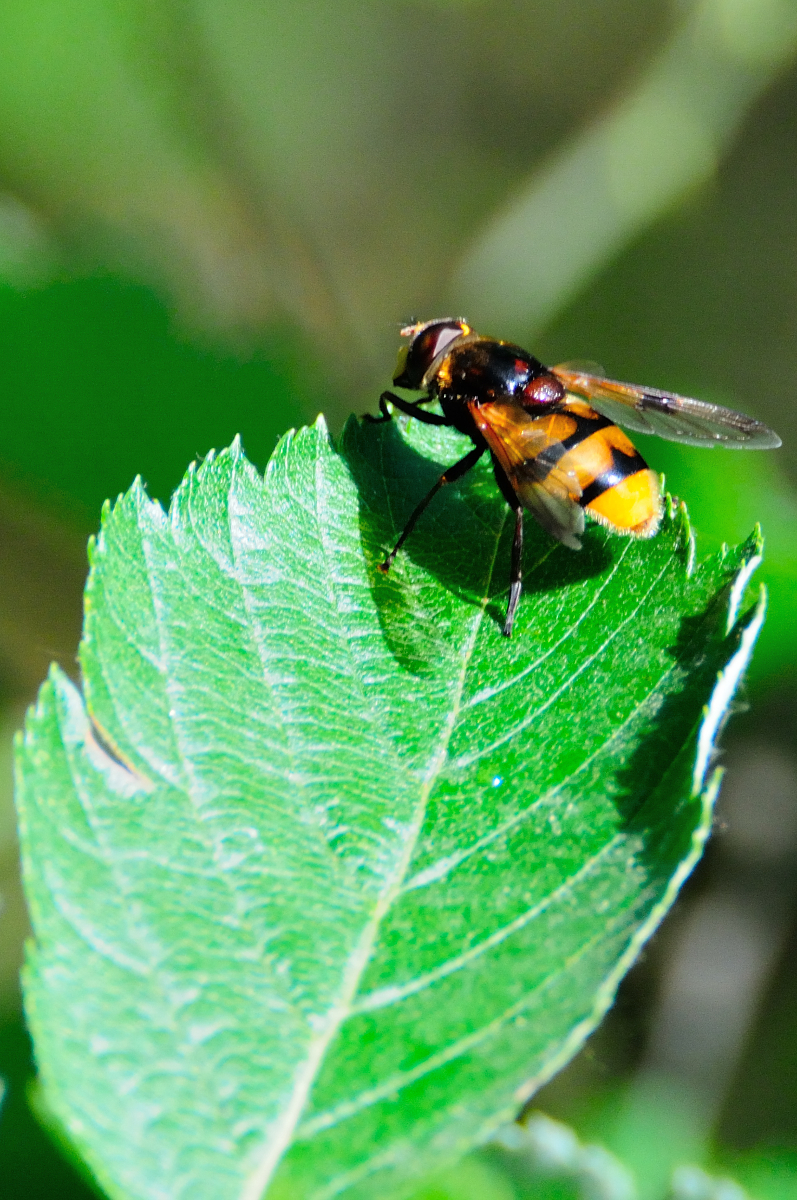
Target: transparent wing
{"x": 676, "y": 418}
{"x": 522, "y": 445}
{"x": 582, "y": 366}
{"x": 556, "y": 511}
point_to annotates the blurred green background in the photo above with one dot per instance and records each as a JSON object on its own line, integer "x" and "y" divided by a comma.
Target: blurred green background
{"x": 213, "y": 217}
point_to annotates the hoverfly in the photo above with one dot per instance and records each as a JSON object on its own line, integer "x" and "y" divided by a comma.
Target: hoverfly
{"x": 552, "y": 433}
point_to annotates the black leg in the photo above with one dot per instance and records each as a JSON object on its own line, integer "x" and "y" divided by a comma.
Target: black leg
{"x": 411, "y": 408}
{"x": 516, "y": 569}
{"x": 450, "y": 476}
{"x": 386, "y": 416}
{"x": 515, "y": 572}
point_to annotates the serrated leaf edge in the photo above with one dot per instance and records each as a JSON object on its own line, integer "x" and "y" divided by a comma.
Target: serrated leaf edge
{"x": 258, "y": 1180}
{"x": 706, "y": 792}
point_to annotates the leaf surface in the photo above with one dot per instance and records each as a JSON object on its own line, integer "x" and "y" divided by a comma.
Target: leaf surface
{"x": 326, "y": 875}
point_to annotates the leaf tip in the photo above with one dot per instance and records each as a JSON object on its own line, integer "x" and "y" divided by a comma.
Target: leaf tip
{"x": 38, "y": 710}
{"x": 678, "y": 514}
{"x": 351, "y": 426}
{"x": 311, "y": 439}
{"x": 106, "y": 516}
{"x": 716, "y": 711}
{"x": 753, "y": 549}
{"x": 234, "y": 453}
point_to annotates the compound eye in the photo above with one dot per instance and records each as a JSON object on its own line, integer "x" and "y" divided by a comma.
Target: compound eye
{"x": 429, "y": 339}
{"x": 443, "y": 337}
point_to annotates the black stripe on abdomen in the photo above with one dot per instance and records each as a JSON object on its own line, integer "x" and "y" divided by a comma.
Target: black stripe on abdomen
{"x": 623, "y": 466}
{"x": 584, "y": 428}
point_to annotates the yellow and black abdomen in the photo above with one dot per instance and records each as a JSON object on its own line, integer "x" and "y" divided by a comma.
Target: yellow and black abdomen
{"x": 618, "y": 487}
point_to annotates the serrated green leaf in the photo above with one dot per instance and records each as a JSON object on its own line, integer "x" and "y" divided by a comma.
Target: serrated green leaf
{"x": 326, "y": 875}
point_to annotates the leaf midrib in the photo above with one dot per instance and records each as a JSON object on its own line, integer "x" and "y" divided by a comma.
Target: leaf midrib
{"x": 389, "y": 996}
{"x": 257, "y": 1182}
{"x": 438, "y": 870}
{"x": 385, "y": 997}
{"x": 394, "y": 1083}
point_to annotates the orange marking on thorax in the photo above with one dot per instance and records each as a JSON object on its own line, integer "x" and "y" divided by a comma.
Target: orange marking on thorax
{"x": 444, "y": 373}
{"x": 580, "y": 407}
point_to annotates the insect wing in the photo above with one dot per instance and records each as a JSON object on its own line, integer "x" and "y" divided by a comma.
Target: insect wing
{"x": 582, "y": 366}
{"x": 519, "y": 442}
{"x": 676, "y": 418}
{"x": 556, "y": 512}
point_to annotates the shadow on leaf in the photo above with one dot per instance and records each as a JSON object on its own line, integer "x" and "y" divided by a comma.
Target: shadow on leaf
{"x": 462, "y": 541}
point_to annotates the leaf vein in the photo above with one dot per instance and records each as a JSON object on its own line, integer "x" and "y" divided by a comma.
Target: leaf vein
{"x": 386, "y": 997}
{"x": 258, "y": 1179}
{"x": 465, "y": 760}
{"x": 401, "y": 1079}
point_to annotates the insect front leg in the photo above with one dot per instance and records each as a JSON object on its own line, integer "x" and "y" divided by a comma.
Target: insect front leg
{"x": 516, "y": 567}
{"x": 411, "y": 408}
{"x": 450, "y": 476}
{"x": 386, "y": 414}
